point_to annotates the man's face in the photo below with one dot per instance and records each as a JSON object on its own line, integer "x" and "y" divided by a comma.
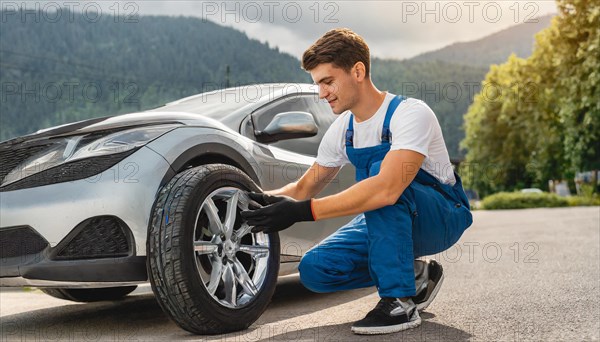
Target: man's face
{"x": 336, "y": 86}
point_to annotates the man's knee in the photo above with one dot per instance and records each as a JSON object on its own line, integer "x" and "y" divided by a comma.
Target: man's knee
{"x": 320, "y": 269}
{"x": 311, "y": 273}
{"x": 305, "y": 265}
{"x": 312, "y": 263}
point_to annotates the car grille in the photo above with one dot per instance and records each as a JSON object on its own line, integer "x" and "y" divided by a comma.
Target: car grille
{"x": 97, "y": 237}
{"x": 19, "y": 241}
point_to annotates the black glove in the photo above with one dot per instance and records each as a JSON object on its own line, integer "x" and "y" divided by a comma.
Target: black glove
{"x": 259, "y": 200}
{"x": 278, "y": 213}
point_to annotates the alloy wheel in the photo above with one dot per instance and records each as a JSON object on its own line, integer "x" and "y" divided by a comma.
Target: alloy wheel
{"x": 231, "y": 260}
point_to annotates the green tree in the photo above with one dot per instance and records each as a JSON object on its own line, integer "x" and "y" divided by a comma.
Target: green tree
{"x": 496, "y": 134}
{"x": 544, "y": 126}
{"x": 546, "y": 122}
{"x": 577, "y": 59}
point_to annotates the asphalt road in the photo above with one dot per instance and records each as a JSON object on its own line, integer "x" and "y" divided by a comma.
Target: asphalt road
{"x": 516, "y": 275}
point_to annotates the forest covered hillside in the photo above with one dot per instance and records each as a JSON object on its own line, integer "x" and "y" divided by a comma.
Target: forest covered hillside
{"x": 73, "y": 69}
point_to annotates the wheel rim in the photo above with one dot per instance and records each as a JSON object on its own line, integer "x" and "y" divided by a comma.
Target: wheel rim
{"x": 231, "y": 260}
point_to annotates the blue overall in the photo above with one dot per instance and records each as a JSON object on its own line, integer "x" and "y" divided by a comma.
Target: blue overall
{"x": 378, "y": 247}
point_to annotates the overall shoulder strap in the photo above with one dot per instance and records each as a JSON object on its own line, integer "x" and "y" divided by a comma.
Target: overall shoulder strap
{"x": 350, "y": 132}
{"x": 386, "y": 134}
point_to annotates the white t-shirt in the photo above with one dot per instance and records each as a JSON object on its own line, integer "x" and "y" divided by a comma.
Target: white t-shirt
{"x": 414, "y": 127}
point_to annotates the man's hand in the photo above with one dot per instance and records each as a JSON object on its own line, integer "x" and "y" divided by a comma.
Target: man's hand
{"x": 278, "y": 213}
{"x": 259, "y": 200}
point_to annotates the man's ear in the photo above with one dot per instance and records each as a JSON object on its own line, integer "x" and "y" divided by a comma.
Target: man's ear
{"x": 358, "y": 71}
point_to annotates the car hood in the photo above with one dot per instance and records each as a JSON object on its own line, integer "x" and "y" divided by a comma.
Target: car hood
{"x": 125, "y": 121}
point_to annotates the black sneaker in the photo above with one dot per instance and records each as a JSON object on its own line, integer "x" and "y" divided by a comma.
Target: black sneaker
{"x": 389, "y": 316}
{"x": 431, "y": 280}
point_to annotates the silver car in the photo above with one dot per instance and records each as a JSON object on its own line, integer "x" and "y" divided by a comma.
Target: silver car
{"x": 91, "y": 209}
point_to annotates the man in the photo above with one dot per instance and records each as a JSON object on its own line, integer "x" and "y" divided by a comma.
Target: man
{"x": 408, "y": 199}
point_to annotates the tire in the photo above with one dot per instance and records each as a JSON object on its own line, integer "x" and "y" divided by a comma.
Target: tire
{"x": 90, "y": 295}
{"x": 209, "y": 273}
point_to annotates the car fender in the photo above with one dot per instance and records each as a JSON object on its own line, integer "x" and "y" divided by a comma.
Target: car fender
{"x": 181, "y": 146}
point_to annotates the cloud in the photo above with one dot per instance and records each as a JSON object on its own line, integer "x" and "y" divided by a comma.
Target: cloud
{"x": 393, "y": 29}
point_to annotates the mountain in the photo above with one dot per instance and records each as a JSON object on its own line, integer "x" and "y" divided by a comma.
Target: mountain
{"x": 56, "y": 72}
{"x": 492, "y": 49}
{"x": 59, "y": 71}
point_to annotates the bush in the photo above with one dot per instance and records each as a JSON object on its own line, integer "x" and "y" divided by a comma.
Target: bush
{"x": 575, "y": 201}
{"x": 519, "y": 200}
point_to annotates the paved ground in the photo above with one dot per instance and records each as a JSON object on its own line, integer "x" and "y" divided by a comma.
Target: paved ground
{"x": 516, "y": 275}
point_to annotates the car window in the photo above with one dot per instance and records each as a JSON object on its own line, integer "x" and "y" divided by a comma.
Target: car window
{"x": 319, "y": 109}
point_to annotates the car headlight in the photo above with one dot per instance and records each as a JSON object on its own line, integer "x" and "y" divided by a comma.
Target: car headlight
{"x": 121, "y": 141}
{"x": 70, "y": 149}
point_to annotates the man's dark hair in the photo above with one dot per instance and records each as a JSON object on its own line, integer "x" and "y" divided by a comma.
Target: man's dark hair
{"x": 341, "y": 47}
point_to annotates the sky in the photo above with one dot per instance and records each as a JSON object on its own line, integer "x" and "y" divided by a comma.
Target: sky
{"x": 393, "y": 29}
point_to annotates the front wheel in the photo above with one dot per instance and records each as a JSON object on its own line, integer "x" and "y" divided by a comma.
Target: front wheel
{"x": 209, "y": 273}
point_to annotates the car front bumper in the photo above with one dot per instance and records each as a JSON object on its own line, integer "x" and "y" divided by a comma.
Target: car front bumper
{"x": 125, "y": 192}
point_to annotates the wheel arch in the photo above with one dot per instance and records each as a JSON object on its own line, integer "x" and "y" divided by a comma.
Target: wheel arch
{"x": 210, "y": 153}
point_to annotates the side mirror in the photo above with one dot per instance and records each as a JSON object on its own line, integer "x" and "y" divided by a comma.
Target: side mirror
{"x": 288, "y": 125}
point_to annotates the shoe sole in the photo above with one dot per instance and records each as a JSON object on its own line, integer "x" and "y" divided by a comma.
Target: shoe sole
{"x": 386, "y": 330}
{"x": 422, "y": 306}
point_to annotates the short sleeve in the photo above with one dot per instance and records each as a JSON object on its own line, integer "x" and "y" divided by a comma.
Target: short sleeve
{"x": 331, "y": 149}
{"x": 413, "y": 128}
